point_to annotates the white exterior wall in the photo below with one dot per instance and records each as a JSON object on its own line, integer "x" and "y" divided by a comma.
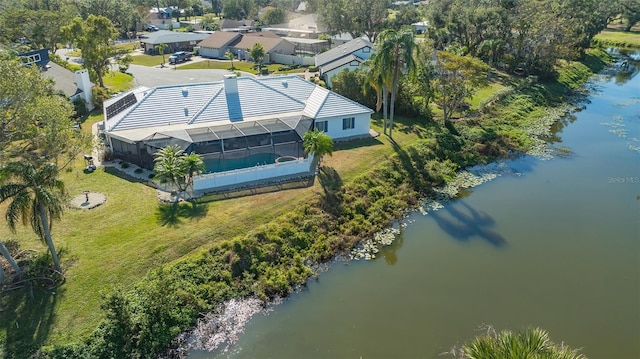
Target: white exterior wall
{"x": 211, "y": 181}
{"x": 329, "y": 74}
{"x": 84, "y": 84}
{"x": 334, "y": 124}
{"x": 211, "y": 52}
{"x": 290, "y": 59}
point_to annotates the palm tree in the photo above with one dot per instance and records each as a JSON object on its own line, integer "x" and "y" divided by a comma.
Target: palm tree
{"x": 161, "y": 48}
{"x": 493, "y": 49}
{"x": 394, "y": 53}
{"x": 7, "y": 255}
{"x": 36, "y": 196}
{"x": 193, "y": 166}
{"x": 169, "y": 165}
{"x": 529, "y": 343}
{"x": 230, "y": 56}
{"x": 318, "y": 144}
{"x": 375, "y": 79}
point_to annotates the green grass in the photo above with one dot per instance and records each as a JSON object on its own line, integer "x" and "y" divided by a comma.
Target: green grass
{"x": 116, "y": 81}
{"x": 149, "y": 60}
{"x": 118, "y": 243}
{"x": 618, "y": 38}
{"x": 243, "y": 66}
{"x": 484, "y": 93}
{"x": 128, "y": 46}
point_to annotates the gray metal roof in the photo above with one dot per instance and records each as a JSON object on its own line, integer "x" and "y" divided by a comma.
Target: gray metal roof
{"x": 195, "y": 112}
{"x": 342, "y": 51}
{"x": 340, "y": 62}
{"x": 171, "y": 37}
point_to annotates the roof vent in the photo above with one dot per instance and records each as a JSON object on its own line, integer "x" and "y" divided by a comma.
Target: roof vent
{"x": 285, "y": 83}
{"x": 185, "y": 92}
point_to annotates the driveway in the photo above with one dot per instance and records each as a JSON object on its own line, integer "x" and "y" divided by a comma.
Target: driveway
{"x": 155, "y": 76}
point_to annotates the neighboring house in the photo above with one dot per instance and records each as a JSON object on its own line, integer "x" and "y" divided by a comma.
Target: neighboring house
{"x": 176, "y": 41}
{"x": 246, "y": 129}
{"x": 218, "y": 43}
{"x": 349, "y": 56}
{"x": 162, "y": 18}
{"x": 242, "y": 26}
{"x": 420, "y": 26}
{"x": 39, "y": 58}
{"x": 73, "y": 85}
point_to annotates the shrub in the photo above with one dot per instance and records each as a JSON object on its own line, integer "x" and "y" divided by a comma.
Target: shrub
{"x": 100, "y": 94}
{"x": 138, "y": 170}
{"x": 124, "y": 164}
{"x": 152, "y": 175}
{"x": 313, "y": 69}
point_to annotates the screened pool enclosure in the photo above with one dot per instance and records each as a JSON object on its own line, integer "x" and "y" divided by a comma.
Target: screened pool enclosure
{"x": 225, "y": 147}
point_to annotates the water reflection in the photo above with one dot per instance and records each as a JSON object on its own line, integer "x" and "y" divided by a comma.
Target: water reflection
{"x": 468, "y": 223}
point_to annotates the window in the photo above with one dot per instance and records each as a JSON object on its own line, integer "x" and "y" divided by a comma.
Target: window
{"x": 30, "y": 59}
{"x": 322, "y": 126}
{"x": 348, "y": 123}
{"x": 366, "y": 50}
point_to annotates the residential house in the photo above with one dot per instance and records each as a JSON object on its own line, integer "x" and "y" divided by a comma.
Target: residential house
{"x": 246, "y": 129}
{"x": 349, "y": 56}
{"x": 242, "y": 26}
{"x": 420, "y": 26}
{"x": 218, "y": 43}
{"x": 73, "y": 85}
{"x": 162, "y": 18}
{"x": 175, "y": 41}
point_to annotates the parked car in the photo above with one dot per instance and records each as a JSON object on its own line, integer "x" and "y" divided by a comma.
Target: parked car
{"x": 152, "y": 28}
{"x": 180, "y": 56}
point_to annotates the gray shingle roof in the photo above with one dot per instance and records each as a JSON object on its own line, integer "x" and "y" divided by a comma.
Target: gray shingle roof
{"x": 341, "y": 61}
{"x": 342, "y": 51}
{"x": 219, "y": 39}
{"x": 181, "y": 107}
{"x": 171, "y": 37}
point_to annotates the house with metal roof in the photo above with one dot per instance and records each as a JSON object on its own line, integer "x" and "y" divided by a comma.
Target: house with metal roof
{"x": 246, "y": 129}
{"x": 218, "y": 43}
{"x": 348, "y": 56}
{"x": 176, "y": 41}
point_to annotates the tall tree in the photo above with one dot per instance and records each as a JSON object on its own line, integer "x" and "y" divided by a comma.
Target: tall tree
{"x": 237, "y": 9}
{"x": 318, "y": 144}
{"x": 35, "y": 122}
{"x": 12, "y": 262}
{"x": 394, "y": 56}
{"x": 257, "y": 54}
{"x": 456, "y": 77}
{"x": 376, "y": 79}
{"x": 357, "y": 17}
{"x": 36, "y": 196}
{"x": 93, "y": 36}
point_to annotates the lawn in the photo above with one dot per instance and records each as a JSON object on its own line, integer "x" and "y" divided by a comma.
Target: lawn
{"x": 116, "y": 244}
{"x": 616, "y": 37}
{"x": 116, "y": 81}
{"x": 149, "y": 60}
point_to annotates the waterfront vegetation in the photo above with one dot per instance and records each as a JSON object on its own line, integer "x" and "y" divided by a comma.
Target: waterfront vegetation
{"x": 119, "y": 256}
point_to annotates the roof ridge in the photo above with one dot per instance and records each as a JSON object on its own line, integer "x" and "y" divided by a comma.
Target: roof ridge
{"x": 324, "y": 92}
{"x": 205, "y": 106}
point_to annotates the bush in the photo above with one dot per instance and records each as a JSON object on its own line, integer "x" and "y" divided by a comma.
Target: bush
{"x": 100, "y": 94}
{"x": 152, "y": 175}
{"x": 124, "y": 164}
{"x": 138, "y": 170}
{"x": 313, "y": 69}
{"x": 80, "y": 107}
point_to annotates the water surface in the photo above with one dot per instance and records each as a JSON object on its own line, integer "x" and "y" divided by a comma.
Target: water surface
{"x": 557, "y": 247}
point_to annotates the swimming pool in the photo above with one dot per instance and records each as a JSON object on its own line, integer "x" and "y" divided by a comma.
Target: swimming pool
{"x": 222, "y": 165}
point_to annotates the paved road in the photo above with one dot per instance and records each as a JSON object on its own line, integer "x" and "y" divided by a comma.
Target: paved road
{"x": 154, "y": 76}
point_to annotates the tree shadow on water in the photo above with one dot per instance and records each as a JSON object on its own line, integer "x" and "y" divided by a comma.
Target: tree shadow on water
{"x": 173, "y": 214}
{"x": 468, "y": 223}
{"x": 26, "y": 317}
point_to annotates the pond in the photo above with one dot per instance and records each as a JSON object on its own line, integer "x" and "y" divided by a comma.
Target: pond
{"x": 550, "y": 243}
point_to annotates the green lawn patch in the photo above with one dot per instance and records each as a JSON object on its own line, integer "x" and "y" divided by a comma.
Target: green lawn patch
{"x": 618, "y": 38}
{"x": 149, "y": 60}
{"x": 117, "y": 81}
{"x": 243, "y": 66}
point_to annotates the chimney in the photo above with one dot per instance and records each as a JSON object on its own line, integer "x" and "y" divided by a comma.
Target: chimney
{"x": 230, "y": 84}
{"x": 84, "y": 84}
